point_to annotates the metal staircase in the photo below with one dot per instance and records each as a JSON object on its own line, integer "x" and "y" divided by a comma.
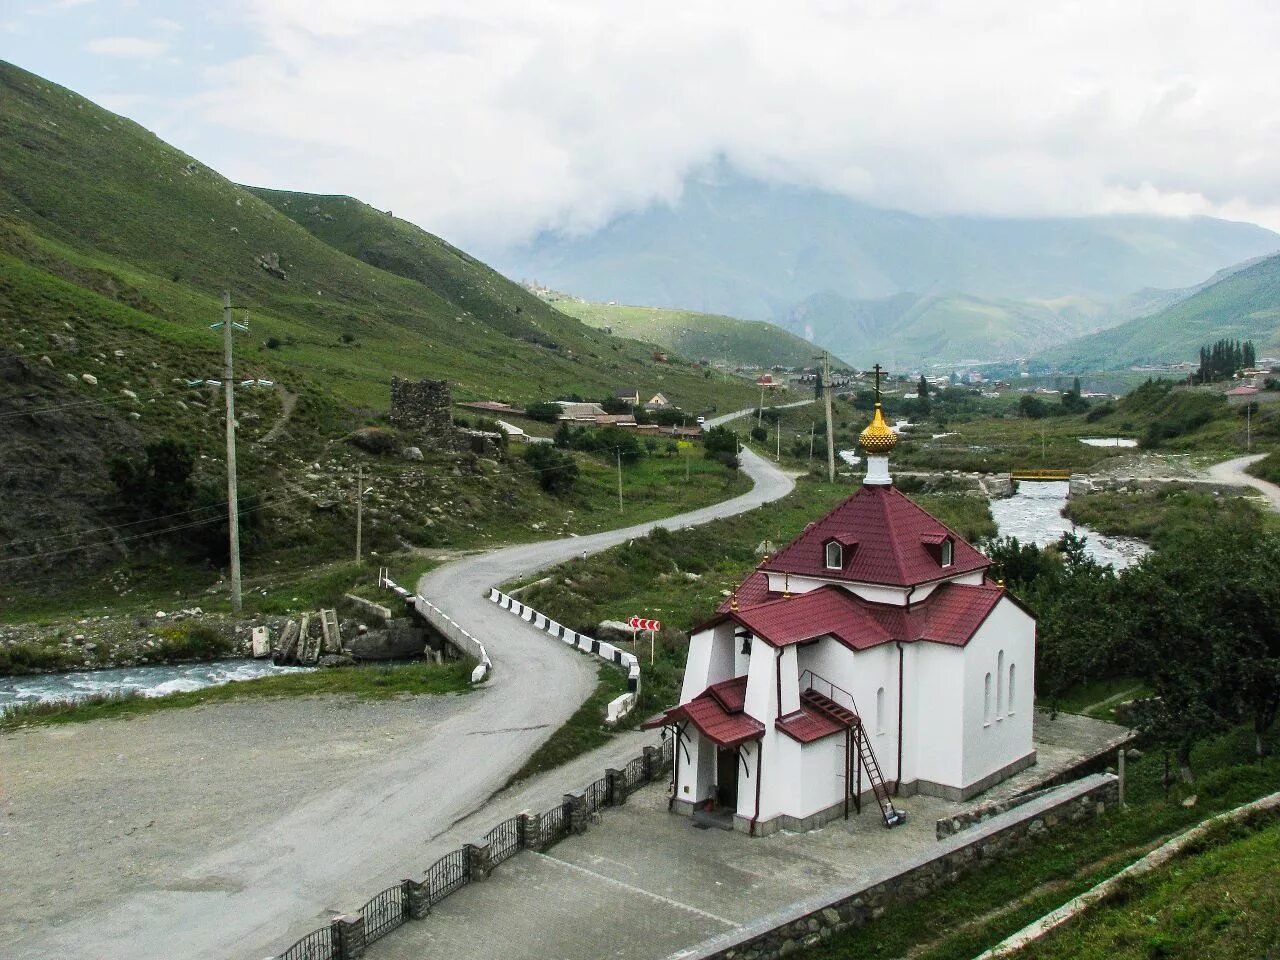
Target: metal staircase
{"x": 846, "y": 714}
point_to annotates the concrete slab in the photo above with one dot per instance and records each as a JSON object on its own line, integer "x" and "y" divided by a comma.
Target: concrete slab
{"x": 642, "y": 884}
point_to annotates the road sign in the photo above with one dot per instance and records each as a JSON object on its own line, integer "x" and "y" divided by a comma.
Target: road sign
{"x": 640, "y": 623}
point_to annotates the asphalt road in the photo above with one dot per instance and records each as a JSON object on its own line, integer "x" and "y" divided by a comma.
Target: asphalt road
{"x": 274, "y": 881}
{"x": 1232, "y": 471}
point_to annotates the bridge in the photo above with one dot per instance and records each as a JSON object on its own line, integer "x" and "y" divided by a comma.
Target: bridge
{"x": 1040, "y": 474}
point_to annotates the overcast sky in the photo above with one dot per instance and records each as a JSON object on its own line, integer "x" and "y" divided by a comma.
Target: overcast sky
{"x": 488, "y": 120}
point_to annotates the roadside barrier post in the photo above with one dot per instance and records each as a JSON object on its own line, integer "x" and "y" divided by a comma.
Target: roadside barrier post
{"x": 480, "y": 860}
{"x": 530, "y": 831}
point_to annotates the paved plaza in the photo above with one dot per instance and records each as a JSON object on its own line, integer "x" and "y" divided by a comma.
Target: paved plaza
{"x": 642, "y": 884}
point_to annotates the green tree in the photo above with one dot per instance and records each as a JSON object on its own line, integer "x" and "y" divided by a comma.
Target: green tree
{"x": 1032, "y": 407}
{"x": 557, "y": 470}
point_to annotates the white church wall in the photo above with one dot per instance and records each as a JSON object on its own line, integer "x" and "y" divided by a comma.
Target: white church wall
{"x": 874, "y": 593}
{"x": 781, "y": 790}
{"x": 822, "y": 772}
{"x": 762, "y": 695}
{"x": 696, "y": 770}
{"x": 863, "y": 674}
{"x": 710, "y": 660}
{"x": 934, "y": 715}
{"x": 994, "y": 736}
{"x": 790, "y": 677}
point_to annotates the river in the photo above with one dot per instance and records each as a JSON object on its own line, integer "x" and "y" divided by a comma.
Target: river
{"x": 1034, "y": 515}
{"x": 148, "y": 681}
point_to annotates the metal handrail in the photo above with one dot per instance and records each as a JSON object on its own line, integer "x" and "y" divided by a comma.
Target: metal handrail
{"x": 833, "y": 688}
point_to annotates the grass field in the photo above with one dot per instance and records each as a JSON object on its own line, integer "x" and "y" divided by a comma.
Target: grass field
{"x": 1158, "y": 516}
{"x": 1220, "y": 902}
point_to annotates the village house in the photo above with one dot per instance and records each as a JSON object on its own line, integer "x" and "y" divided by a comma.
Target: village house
{"x": 870, "y": 658}
{"x": 657, "y": 402}
{"x": 628, "y": 395}
{"x": 767, "y": 381}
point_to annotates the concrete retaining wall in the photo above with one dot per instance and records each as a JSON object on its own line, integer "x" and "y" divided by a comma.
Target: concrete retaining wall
{"x": 447, "y": 627}
{"x": 619, "y": 707}
{"x": 813, "y": 920}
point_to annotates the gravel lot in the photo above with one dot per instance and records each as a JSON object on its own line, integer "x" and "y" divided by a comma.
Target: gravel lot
{"x": 92, "y": 811}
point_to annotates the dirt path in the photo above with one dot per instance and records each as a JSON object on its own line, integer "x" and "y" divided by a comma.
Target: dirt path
{"x": 1232, "y": 471}
{"x": 287, "y": 403}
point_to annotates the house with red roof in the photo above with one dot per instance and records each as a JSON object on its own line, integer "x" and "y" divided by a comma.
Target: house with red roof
{"x": 870, "y": 659}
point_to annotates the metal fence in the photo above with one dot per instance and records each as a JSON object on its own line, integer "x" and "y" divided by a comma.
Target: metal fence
{"x": 597, "y": 795}
{"x": 503, "y": 840}
{"x": 316, "y": 945}
{"x": 633, "y": 773}
{"x": 451, "y": 872}
{"x": 386, "y": 911}
{"x": 553, "y": 827}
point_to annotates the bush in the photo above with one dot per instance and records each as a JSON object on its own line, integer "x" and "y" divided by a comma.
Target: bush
{"x": 195, "y": 641}
{"x": 759, "y": 434}
{"x": 557, "y": 470}
{"x": 546, "y": 412}
{"x": 273, "y": 343}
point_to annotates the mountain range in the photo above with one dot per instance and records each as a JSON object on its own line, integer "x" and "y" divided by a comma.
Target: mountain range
{"x": 843, "y": 272}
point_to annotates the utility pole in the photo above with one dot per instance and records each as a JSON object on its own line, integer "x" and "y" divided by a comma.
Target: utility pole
{"x": 619, "y": 453}
{"x": 1248, "y": 426}
{"x": 233, "y": 499}
{"x": 812, "y": 428}
{"x": 777, "y": 430}
{"x": 760, "y": 409}
{"x": 359, "y": 507}
{"x": 831, "y": 437}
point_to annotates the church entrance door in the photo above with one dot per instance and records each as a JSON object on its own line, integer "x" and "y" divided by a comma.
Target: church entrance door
{"x": 727, "y": 778}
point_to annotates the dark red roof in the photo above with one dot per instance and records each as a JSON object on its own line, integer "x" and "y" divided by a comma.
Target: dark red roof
{"x": 951, "y": 614}
{"x": 892, "y": 535}
{"x": 717, "y": 712}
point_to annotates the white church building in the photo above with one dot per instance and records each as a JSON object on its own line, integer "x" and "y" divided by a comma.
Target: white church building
{"x": 870, "y": 658}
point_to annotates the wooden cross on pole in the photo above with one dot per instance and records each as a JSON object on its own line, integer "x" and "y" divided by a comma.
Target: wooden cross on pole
{"x": 878, "y": 370}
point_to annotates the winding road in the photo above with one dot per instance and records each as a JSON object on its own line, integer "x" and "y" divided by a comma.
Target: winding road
{"x": 1232, "y": 471}
{"x": 274, "y": 882}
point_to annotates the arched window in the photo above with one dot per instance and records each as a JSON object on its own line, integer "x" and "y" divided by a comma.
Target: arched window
{"x": 986, "y": 701}
{"x": 1011, "y": 701}
{"x": 880, "y": 710}
{"x": 948, "y": 553}
{"x": 835, "y": 560}
{"x": 1000, "y": 685}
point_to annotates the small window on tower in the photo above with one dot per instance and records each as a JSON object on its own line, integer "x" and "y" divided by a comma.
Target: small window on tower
{"x": 947, "y": 553}
{"x": 835, "y": 560}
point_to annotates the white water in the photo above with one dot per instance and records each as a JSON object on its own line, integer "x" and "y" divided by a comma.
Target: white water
{"x": 148, "y": 681}
{"x": 1034, "y": 515}
{"x": 1109, "y": 441}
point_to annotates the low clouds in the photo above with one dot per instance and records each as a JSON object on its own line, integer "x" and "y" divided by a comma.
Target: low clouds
{"x": 489, "y": 121}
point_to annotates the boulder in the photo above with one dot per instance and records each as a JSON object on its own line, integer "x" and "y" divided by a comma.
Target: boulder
{"x": 614, "y": 631}
{"x": 336, "y": 660}
{"x": 412, "y": 453}
{"x": 90, "y": 379}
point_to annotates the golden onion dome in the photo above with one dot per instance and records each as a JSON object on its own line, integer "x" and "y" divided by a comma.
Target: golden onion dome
{"x": 877, "y": 440}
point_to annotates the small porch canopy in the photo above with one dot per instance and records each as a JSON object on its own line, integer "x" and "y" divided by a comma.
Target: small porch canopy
{"x": 716, "y": 713}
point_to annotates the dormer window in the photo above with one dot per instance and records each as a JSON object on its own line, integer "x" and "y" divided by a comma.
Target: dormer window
{"x": 835, "y": 555}
{"x": 940, "y": 546}
{"x": 947, "y": 553}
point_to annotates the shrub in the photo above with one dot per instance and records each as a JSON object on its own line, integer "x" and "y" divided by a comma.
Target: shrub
{"x": 273, "y": 343}
{"x": 759, "y": 434}
{"x": 557, "y": 470}
{"x": 546, "y": 412}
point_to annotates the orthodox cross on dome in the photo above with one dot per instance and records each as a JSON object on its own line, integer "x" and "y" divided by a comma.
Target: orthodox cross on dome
{"x": 878, "y": 370}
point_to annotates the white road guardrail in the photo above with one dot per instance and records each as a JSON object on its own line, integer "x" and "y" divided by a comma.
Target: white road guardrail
{"x": 619, "y": 707}
{"x": 452, "y": 631}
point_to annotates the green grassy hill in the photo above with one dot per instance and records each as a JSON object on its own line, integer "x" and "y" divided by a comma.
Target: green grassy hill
{"x": 698, "y": 336}
{"x": 114, "y": 252}
{"x": 1244, "y": 304}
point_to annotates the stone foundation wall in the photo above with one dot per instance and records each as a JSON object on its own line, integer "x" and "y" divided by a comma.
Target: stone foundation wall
{"x": 422, "y": 405}
{"x": 813, "y": 920}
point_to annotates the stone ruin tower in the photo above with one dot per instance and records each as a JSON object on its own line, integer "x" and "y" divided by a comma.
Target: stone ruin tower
{"x": 423, "y": 405}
